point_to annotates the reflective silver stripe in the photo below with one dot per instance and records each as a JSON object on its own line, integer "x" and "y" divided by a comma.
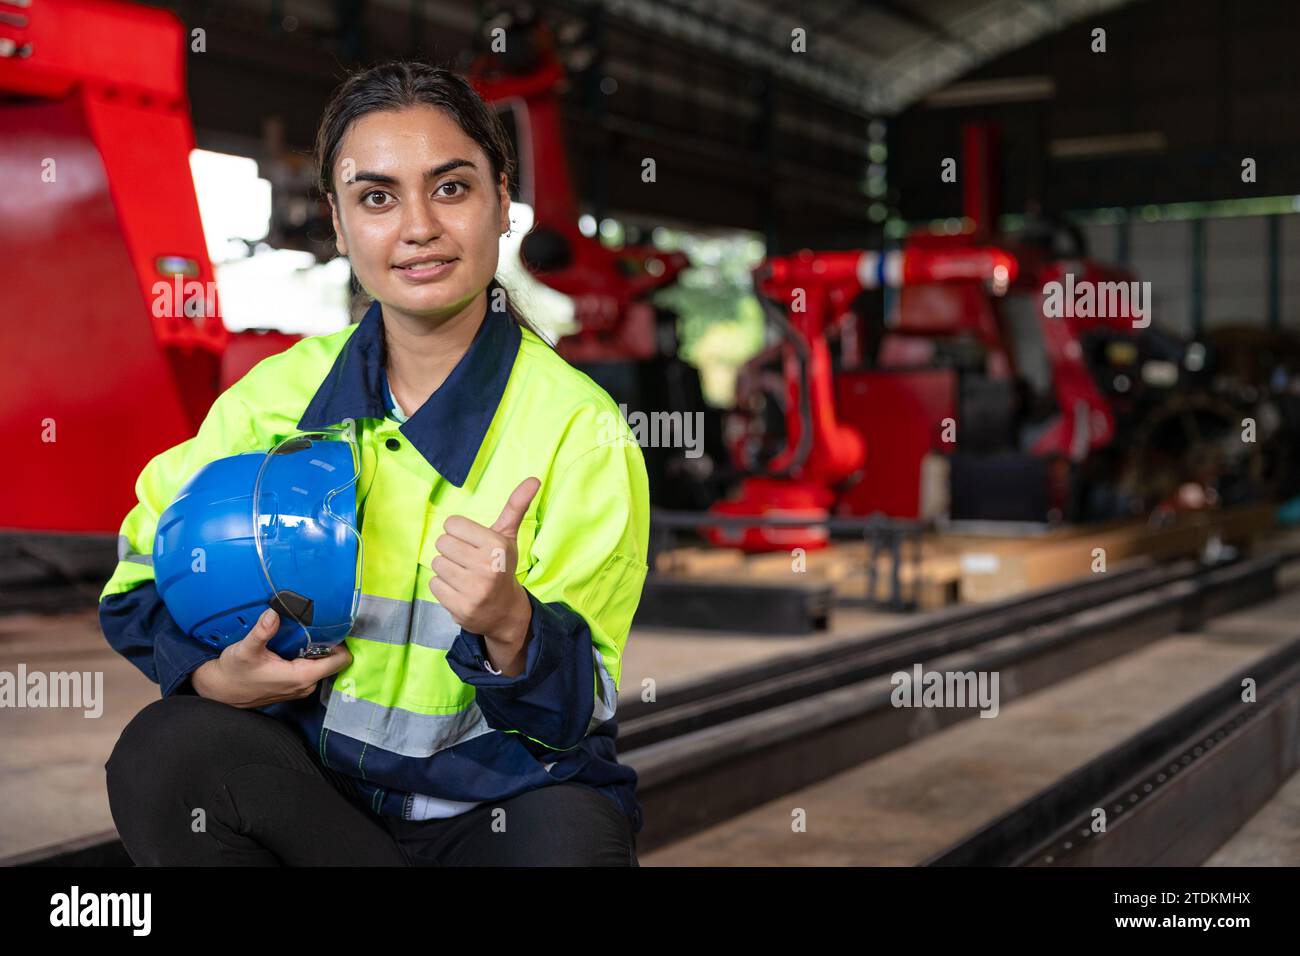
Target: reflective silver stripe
{"x": 390, "y": 621}
{"x": 607, "y": 703}
{"x": 401, "y": 731}
{"x": 127, "y": 553}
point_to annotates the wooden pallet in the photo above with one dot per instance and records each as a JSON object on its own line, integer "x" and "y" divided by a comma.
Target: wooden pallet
{"x": 990, "y": 573}
{"x": 843, "y": 565}
{"x": 978, "y": 568}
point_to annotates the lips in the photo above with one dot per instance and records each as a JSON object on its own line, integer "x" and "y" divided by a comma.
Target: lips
{"x": 418, "y": 270}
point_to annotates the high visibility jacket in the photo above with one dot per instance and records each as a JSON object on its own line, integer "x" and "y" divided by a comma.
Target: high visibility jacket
{"x": 418, "y": 721}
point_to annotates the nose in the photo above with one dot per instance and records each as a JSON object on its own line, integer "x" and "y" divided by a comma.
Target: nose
{"x": 419, "y": 224}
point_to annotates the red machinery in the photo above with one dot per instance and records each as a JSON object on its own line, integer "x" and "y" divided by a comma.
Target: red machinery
{"x": 113, "y": 344}
{"x": 852, "y": 440}
{"x": 610, "y": 289}
{"x": 831, "y": 419}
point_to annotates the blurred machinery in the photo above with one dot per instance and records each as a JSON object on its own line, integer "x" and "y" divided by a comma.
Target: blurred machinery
{"x": 112, "y": 336}
{"x": 1014, "y": 379}
{"x": 960, "y": 398}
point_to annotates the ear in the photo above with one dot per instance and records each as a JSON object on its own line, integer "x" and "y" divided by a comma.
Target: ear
{"x": 503, "y": 200}
{"x": 339, "y": 242}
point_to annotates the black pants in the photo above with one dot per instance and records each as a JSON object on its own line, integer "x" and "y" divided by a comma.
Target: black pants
{"x": 195, "y": 782}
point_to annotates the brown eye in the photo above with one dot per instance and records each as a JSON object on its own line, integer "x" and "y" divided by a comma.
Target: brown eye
{"x": 457, "y": 182}
{"x": 365, "y": 200}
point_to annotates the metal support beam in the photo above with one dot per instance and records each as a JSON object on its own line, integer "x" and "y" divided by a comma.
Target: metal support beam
{"x": 1198, "y": 277}
{"x": 988, "y": 32}
{"x": 1274, "y": 272}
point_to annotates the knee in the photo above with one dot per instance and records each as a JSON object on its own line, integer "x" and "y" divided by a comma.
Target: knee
{"x": 574, "y": 825}
{"x": 162, "y": 767}
{"x": 163, "y": 745}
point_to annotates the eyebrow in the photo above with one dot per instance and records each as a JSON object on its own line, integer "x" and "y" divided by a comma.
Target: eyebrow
{"x": 384, "y": 178}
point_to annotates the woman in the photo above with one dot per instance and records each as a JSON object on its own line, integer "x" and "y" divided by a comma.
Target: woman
{"x": 469, "y": 716}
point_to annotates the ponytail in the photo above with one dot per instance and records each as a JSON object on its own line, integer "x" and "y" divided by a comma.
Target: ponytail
{"x": 512, "y": 309}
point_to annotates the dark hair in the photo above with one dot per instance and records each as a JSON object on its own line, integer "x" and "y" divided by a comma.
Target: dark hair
{"x": 401, "y": 84}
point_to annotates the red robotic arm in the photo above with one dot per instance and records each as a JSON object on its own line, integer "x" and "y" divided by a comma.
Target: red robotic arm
{"x": 610, "y": 288}
{"x": 804, "y": 294}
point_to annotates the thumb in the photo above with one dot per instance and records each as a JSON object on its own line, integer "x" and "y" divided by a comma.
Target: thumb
{"x": 264, "y": 629}
{"x": 513, "y": 512}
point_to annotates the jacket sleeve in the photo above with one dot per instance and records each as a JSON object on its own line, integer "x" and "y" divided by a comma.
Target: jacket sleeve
{"x": 589, "y": 566}
{"x": 140, "y": 628}
{"x": 134, "y": 619}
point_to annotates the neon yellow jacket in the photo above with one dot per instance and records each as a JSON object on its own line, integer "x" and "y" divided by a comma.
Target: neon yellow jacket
{"x": 417, "y": 719}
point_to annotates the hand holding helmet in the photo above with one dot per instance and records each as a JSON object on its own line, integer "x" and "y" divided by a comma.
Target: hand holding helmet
{"x": 248, "y": 674}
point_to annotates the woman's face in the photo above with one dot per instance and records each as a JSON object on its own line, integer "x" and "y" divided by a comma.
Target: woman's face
{"x": 413, "y": 188}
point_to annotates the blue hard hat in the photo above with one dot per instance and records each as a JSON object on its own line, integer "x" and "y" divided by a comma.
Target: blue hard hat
{"x": 266, "y": 529}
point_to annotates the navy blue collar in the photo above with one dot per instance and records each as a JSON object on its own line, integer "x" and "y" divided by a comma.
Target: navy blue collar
{"x": 448, "y": 429}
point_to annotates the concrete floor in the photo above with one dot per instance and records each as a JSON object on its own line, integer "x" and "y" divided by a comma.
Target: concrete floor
{"x": 671, "y": 656}
{"x": 900, "y": 808}
{"x": 1271, "y": 837}
{"x": 52, "y": 761}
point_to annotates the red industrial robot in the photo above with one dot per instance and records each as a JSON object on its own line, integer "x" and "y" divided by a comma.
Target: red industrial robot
{"x": 610, "y": 289}
{"x": 113, "y": 343}
{"x": 851, "y": 440}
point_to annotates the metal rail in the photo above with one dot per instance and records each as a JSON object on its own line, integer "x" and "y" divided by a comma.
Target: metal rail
{"x": 52, "y": 573}
{"x": 716, "y": 698}
{"x": 693, "y": 775}
{"x": 1216, "y": 751}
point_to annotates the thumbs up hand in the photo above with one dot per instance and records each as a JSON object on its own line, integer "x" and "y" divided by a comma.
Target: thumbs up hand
{"x": 515, "y": 509}
{"x": 475, "y": 579}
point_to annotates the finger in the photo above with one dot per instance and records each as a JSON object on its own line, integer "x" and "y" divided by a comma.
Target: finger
{"x": 314, "y": 668}
{"x": 459, "y": 551}
{"x": 453, "y": 574}
{"x": 516, "y": 507}
{"x": 470, "y": 531}
{"x": 262, "y": 631}
{"x": 447, "y": 596}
